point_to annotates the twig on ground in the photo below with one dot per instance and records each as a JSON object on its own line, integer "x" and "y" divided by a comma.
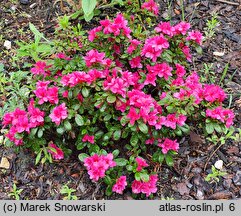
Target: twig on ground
{"x": 205, "y": 166}
{"x": 228, "y": 2}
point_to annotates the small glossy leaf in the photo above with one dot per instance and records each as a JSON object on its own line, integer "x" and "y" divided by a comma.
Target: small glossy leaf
{"x": 79, "y": 120}
{"x": 143, "y": 127}
{"x": 121, "y": 161}
{"x": 82, "y": 156}
{"x": 111, "y": 99}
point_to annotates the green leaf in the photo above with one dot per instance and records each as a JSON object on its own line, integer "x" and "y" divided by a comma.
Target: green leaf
{"x": 33, "y": 131}
{"x": 209, "y": 128}
{"x": 161, "y": 158}
{"x": 107, "y": 180}
{"x": 121, "y": 161}
{"x": 107, "y": 117}
{"x": 134, "y": 139}
{"x": 81, "y": 145}
{"x": 88, "y": 6}
{"x": 143, "y": 127}
{"x": 111, "y": 99}
{"x": 98, "y": 134}
{"x": 60, "y": 130}
{"x": 129, "y": 168}
{"x": 94, "y": 148}
{"x": 79, "y": 120}
{"x": 169, "y": 160}
{"x": 82, "y": 156}
{"x": 218, "y": 128}
{"x": 44, "y": 48}
{"x": 67, "y": 125}
{"x": 38, "y": 157}
{"x": 108, "y": 190}
{"x": 85, "y": 92}
{"x": 40, "y": 133}
{"x": 144, "y": 177}
{"x": 89, "y": 17}
{"x": 116, "y": 153}
{"x": 137, "y": 176}
{"x": 117, "y": 135}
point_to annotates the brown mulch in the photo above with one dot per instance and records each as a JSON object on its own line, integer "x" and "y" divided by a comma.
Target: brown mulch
{"x": 183, "y": 181}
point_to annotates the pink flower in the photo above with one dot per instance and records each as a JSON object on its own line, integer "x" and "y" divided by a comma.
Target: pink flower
{"x": 165, "y": 28}
{"x": 36, "y": 115}
{"x": 65, "y": 94}
{"x": 120, "y": 185}
{"x": 140, "y": 164}
{"x": 145, "y": 187}
{"x": 52, "y": 95}
{"x": 180, "y": 70}
{"x": 40, "y": 68}
{"x": 182, "y": 28}
{"x": 62, "y": 56}
{"x": 136, "y": 62}
{"x": 59, "y": 113}
{"x": 133, "y": 46}
{"x": 133, "y": 115}
{"x": 151, "y": 6}
{"x": 224, "y": 115}
{"x": 169, "y": 145}
{"x": 93, "y": 32}
{"x": 57, "y": 153}
{"x": 186, "y": 52}
{"x": 42, "y": 94}
{"x": 42, "y": 84}
{"x": 88, "y": 138}
{"x": 196, "y": 36}
{"x": 212, "y": 93}
{"x": 150, "y": 141}
{"x": 98, "y": 165}
{"x": 154, "y": 46}
{"x": 93, "y": 57}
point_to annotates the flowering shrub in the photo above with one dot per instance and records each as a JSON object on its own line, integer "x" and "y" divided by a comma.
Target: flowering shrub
{"x": 126, "y": 93}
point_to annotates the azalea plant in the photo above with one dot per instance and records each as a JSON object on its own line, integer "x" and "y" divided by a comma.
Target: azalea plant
{"x": 123, "y": 100}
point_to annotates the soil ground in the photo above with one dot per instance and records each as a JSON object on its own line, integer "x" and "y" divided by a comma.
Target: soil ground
{"x": 183, "y": 181}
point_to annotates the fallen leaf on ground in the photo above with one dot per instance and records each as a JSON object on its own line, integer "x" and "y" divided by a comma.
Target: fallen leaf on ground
{"x": 182, "y": 188}
{"x": 4, "y": 163}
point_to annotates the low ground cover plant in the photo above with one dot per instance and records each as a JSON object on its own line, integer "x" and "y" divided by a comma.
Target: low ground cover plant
{"x": 122, "y": 98}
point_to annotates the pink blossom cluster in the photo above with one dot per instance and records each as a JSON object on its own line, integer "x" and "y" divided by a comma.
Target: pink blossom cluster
{"x": 160, "y": 70}
{"x": 59, "y": 113}
{"x": 154, "y": 47}
{"x": 118, "y": 27}
{"x": 40, "y": 68}
{"x": 141, "y": 163}
{"x": 22, "y": 121}
{"x": 45, "y": 93}
{"x": 88, "y": 138}
{"x": 212, "y": 93}
{"x": 56, "y": 152}
{"x": 78, "y": 77}
{"x": 119, "y": 81}
{"x": 224, "y": 115}
{"x": 180, "y": 28}
{"x": 98, "y": 165}
{"x": 145, "y": 187}
{"x": 195, "y": 36}
{"x": 143, "y": 106}
{"x": 120, "y": 185}
{"x": 173, "y": 119}
{"x": 133, "y": 46}
{"x": 62, "y": 56}
{"x": 168, "y": 144}
{"x": 151, "y": 6}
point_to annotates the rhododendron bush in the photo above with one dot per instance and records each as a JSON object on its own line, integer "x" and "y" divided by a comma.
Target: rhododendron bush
{"x": 126, "y": 94}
